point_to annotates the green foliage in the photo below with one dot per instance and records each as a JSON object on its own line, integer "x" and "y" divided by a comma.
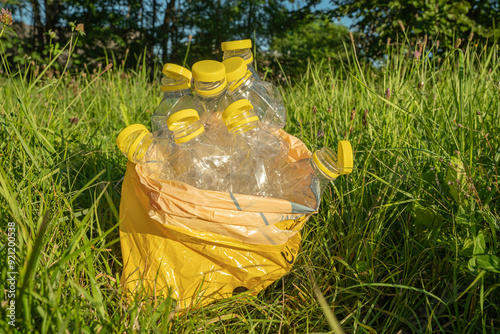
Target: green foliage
{"x": 154, "y": 29}
{"x": 214, "y": 22}
{"x": 376, "y": 21}
{"x": 311, "y": 40}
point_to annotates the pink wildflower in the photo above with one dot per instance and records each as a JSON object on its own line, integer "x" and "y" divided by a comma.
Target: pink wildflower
{"x": 80, "y": 27}
{"x": 6, "y": 17}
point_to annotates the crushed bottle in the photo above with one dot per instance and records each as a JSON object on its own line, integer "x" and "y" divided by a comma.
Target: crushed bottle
{"x": 176, "y": 90}
{"x": 141, "y": 146}
{"x": 255, "y": 152}
{"x": 188, "y": 155}
{"x": 264, "y": 96}
{"x": 197, "y": 159}
{"x": 304, "y": 182}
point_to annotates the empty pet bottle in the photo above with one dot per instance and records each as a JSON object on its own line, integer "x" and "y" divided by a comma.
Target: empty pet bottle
{"x": 210, "y": 84}
{"x": 241, "y": 49}
{"x": 304, "y": 181}
{"x": 176, "y": 87}
{"x": 196, "y": 158}
{"x": 264, "y": 96}
{"x": 140, "y": 146}
{"x": 255, "y": 152}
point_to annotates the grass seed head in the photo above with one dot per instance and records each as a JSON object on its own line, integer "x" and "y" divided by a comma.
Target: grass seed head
{"x": 401, "y": 25}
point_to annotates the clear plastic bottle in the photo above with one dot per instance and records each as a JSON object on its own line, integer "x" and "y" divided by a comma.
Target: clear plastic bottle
{"x": 210, "y": 84}
{"x": 242, "y": 49}
{"x": 255, "y": 152}
{"x": 196, "y": 158}
{"x": 304, "y": 181}
{"x": 264, "y": 96}
{"x": 140, "y": 146}
{"x": 176, "y": 87}
{"x": 192, "y": 157}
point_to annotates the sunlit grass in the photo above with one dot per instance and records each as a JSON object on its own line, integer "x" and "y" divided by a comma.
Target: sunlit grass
{"x": 406, "y": 243}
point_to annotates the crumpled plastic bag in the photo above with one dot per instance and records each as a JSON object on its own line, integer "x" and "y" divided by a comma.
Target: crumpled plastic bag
{"x": 201, "y": 246}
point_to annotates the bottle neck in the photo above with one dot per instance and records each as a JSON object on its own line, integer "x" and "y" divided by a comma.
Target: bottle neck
{"x": 246, "y": 54}
{"x": 175, "y": 82}
{"x": 324, "y": 163}
{"x": 241, "y": 122}
{"x": 245, "y": 129}
{"x": 176, "y": 94}
{"x": 140, "y": 149}
{"x": 186, "y": 133}
{"x": 238, "y": 86}
{"x": 210, "y": 90}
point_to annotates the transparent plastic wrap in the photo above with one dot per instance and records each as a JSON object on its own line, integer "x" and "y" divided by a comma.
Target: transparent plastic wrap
{"x": 264, "y": 96}
{"x": 255, "y": 152}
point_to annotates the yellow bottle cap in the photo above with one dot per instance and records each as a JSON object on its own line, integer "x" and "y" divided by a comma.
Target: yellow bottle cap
{"x": 209, "y": 71}
{"x": 121, "y": 140}
{"x": 177, "y": 73}
{"x": 173, "y": 70}
{"x": 235, "y": 68}
{"x": 235, "y": 109}
{"x": 345, "y": 156}
{"x": 236, "y": 45}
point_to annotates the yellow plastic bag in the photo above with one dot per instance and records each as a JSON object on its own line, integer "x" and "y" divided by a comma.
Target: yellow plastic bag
{"x": 201, "y": 246}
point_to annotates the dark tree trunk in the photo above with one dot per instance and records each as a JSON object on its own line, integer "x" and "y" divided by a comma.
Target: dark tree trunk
{"x": 169, "y": 32}
{"x": 38, "y": 30}
{"x": 52, "y": 13}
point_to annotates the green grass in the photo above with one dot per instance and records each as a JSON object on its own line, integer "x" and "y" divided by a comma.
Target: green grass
{"x": 408, "y": 243}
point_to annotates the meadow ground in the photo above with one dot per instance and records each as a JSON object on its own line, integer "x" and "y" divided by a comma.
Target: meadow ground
{"x": 408, "y": 243}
